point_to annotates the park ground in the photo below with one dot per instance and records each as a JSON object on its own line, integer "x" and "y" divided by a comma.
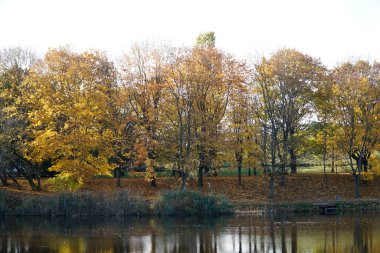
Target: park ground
{"x": 254, "y": 189}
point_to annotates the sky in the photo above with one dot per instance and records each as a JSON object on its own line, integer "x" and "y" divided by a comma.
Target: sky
{"x": 332, "y": 30}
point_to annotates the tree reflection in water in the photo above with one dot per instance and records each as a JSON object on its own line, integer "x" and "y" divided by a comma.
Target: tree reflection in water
{"x": 342, "y": 233}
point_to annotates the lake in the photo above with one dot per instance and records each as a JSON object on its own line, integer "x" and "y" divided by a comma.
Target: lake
{"x": 284, "y": 233}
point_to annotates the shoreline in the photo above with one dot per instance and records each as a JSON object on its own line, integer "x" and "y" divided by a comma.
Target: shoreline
{"x": 308, "y": 206}
{"x": 171, "y": 203}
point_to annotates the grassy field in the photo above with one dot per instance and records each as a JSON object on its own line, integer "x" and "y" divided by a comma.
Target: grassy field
{"x": 300, "y": 170}
{"x": 228, "y": 171}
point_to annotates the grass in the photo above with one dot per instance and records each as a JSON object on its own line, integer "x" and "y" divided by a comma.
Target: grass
{"x": 72, "y": 204}
{"x": 317, "y": 169}
{"x": 230, "y": 171}
{"x": 116, "y": 203}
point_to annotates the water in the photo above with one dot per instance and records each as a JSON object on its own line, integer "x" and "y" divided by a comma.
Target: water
{"x": 311, "y": 233}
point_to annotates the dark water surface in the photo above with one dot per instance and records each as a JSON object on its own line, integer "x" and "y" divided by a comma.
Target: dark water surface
{"x": 311, "y": 233}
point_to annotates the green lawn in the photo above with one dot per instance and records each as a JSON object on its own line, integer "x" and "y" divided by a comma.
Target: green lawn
{"x": 308, "y": 169}
{"x": 228, "y": 171}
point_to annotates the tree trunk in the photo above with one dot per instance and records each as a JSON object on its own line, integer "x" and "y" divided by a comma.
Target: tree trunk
{"x": 239, "y": 174}
{"x": 254, "y": 171}
{"x": 239, "y": 159}
{"x": 153, "y": 182}
{"x": 293, "y": 161}
{"x": 38, "y": 177}
{"x": 18, "y": 186}
{"x": 38, "y": 182}
{"x": 29, "y": 179}
{"x": 282, "y": 180}
{"x": 325, "y": 154}
{"x": 118, "y": 181}
{"x": 3, "y": 179}
{"x": 273, "y": 146}
{"x": 200, "y": 176}
{"x": 265, "y": 141}
{"x": 183, "y": 179}
{"x": 202, "y": 165}
{"x": 249, "y": 171}
{"x": 271, "y": 186}
{"x": 292, "y": 152}
{"x": 332, "y": 161}
{"x": 357, "y": 185}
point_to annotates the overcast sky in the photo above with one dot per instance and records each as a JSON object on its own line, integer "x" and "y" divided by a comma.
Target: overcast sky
{"x": 334, "y": 30}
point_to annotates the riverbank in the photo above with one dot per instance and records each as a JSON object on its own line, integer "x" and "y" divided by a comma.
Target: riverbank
{"x": 302, "y": 193}
{"x": 170, "y": 203}
{"x": 313, "y": 207}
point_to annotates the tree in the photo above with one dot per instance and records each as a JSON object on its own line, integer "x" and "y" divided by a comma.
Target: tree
{"x": 205, "y": 40}
{"x": 213, "y": 75}
{"x": 124, "y": 131}
{"x": 143, "y": 78}
{"x": 14, "y": 67}
{"x": 197, "y": 89}
{"x": 295, "y": 77}
{"x": 267, "y": 103}
{"x": 356, "y": 94}
{"x": 322, "y": 137}
{"x": 238, "y": 124}
{"x": 285, "y": 85}
{"x": 70, "y": 97}
{"x": 178, "y": 113}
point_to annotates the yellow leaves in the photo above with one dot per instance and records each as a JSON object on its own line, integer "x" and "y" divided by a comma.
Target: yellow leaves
{"x": 374, "y": 162}
{"x": 150, "y": 172}
{"x": 68, "y": 114}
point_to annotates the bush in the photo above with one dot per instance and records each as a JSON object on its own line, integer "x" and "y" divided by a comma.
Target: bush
{"x": 191, "y": 202}
{"x": 75, "y": 204}
{"x": 63, "y": 183}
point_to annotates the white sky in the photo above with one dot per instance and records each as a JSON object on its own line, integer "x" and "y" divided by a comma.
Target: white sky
{"x": 334, "y": 30}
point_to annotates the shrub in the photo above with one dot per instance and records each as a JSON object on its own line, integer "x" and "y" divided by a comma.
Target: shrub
{"x": 63, "y": 183}
{"x": 191, "y": 202}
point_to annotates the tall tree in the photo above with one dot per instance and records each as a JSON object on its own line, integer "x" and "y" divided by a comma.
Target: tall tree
{"x": 206, "y": 39}
{"x": 267, "y": 104}
{"x": 356, "y": 109}
{"x": 295, "y": 77}
{"x": 14, "y": 67}
{"x": 70, "y": 96}
{"x": 143, "y": 77}
{"x": 178, "y": 113}
{"x": 238, "y": 124}
{"x": 213, "y": 75}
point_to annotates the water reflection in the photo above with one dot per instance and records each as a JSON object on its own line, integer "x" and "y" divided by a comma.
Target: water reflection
{"x": 342, "y": 233}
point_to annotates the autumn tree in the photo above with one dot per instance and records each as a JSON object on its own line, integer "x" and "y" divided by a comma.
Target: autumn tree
{"x": 70, "y": 119}
{"x": 14, "y": 67}
{"x": 285, "y": 84}
{"x": 239, "y": 129}
{"x": 356, "y": 94}
{"x": 295, "y": 77}
{"x": 322, "y": 138}
{"x": 213, "y": 75}
{"x": 124, "y": 131}
{"x": 266, "y": 104}
{"x": 178, "y": 114}
{"x": 206, "y": 39}
{"x": 143, "y": 78}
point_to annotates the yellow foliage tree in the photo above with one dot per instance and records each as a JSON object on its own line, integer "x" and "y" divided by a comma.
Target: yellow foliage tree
{"x": 70, "y": 119}
{"x": 356, "y": 93}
